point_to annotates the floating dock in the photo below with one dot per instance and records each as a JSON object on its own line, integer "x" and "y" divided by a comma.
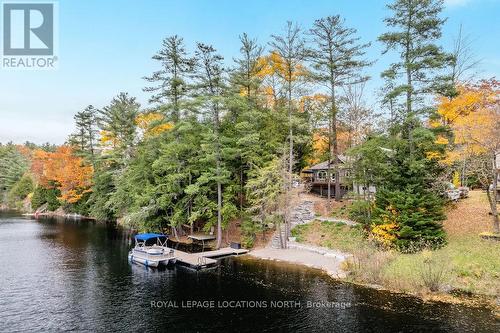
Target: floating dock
{"x": 205, "y": 259}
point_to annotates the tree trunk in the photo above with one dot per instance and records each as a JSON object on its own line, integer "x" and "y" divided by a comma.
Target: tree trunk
{"x": 290, "y": 162}
{"x": 493, "y": 207}
{"x": 334, "y": 140}
{"x": 174, "y": 230}
{"x": 329, "y": 187}
{"x": 492, "y": 197}
{"x": 219, "y": 215}
{"x": 409, "y": 89}
{"x": 329, "y": 173}
{"x": 218, "y": 173}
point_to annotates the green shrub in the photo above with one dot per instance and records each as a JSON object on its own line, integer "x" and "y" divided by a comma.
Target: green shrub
{"x": 43, "y": 195}
{"x": 249, "y": 229}
{"x": 20, "y": 191}
{"x": 416, "y": 215}
{"x": 360, "y": 211}
{"x": 81, "y": 207}
{"x": 38, "y": 198}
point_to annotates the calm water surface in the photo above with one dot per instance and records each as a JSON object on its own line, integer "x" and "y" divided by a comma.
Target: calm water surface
{"x": 63, "y": 275}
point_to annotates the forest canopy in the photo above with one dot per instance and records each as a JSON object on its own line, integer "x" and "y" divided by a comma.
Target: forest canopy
{"x": 220, "y": 142}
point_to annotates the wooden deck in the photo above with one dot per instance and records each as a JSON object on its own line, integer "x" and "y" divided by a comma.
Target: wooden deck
{"x": 205, "y": 259}
{"x": 193, "y": 260}
{"x": 201, "y": 237}
{"x": 226, "y": 251}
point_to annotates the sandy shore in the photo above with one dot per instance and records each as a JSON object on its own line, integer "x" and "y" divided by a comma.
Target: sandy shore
{"x": 328, "y": 261}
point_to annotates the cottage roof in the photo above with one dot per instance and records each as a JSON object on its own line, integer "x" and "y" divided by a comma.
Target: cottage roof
{"x": 324, "y": 165}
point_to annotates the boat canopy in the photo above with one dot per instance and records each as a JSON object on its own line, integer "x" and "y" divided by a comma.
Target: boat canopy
{"x": 148, "y": 236}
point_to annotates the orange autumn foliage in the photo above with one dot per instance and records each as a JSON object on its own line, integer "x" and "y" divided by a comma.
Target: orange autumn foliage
{"x": 319, "y": 147}
{"x": 63, "y": 170}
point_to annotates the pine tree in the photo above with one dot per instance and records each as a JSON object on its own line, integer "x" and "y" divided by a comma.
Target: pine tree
{"x": 245, "y": 78}
{"x": 408, "y": 194}
{"x": 245, "y": 122}
{"x": 117, "y": 122}
{"x": 210, "y": 88}
{"x": 417, "y": 28}
{"x": 84, "y": 140}
{"x": 13, "y": 165}
{"x": 172, "y": 80}
{"x": 291, "y": 48}
{"x": 266, "y": 192}
{"x": 337, "y": 62}
{"x": 408, "y": 210}
{"x": 170, "y": 94}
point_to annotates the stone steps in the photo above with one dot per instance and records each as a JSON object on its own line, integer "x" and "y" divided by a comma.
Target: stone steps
{"x": 301, "y": 214}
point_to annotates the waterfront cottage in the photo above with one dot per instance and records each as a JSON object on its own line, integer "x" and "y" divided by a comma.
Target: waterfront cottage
{"x": 316, "y": 177}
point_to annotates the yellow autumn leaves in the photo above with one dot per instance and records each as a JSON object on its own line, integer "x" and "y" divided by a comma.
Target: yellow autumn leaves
{"x": 151, "y": 124}
{"x": 474, "y": 118}
{"x": 385, "y": 233}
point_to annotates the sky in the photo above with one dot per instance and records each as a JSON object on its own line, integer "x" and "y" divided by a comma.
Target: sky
{"x": 105, "y": 47}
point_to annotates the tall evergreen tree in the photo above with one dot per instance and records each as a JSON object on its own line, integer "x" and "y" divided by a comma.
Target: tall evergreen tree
{"x": 337, "y": 61}
{"x": 117, "y": 122}
{"x": 244, "y": 123}
{"x": 172, "y": 79}
{"x": 408, "y": 208}
{"x": 210, "y": 86}
{"x": 291, "y": 47}
{"x": 419, "y": 72}
{"x": 13, "y": 165}
{"x": 244, "y": 76}
{"x": 170, "y": 94}
{"x": 84, "y": 140}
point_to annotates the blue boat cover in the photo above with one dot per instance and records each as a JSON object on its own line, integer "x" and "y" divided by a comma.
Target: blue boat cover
{"x": 148, "y": 236}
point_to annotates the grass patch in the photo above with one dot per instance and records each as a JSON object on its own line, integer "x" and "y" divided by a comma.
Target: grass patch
{"x": 467, "y": 264}
{"x": 330, "y": 234}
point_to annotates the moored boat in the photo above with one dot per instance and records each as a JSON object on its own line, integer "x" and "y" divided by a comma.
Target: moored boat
{"x": 151, "y": 250}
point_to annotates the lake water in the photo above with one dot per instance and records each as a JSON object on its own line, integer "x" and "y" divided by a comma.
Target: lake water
{"x": 64, "y": 275}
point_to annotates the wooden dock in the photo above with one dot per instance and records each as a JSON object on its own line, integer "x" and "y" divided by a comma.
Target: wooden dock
{"x": 226, "y": 251}
{"x": 205, "y": 259}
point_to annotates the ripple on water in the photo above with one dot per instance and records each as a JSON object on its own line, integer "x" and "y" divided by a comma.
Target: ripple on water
{"x": 74, "y": 275}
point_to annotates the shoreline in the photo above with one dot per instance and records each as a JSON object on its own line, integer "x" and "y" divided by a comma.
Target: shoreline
{"x": 323, "y": 262}
{"x": 56, "y": 214}
{"x": 280, "y": 255}
{"x": 330, "y": 262}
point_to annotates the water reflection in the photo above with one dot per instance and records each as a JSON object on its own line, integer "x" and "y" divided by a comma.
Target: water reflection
{"x": 74, "y": 275}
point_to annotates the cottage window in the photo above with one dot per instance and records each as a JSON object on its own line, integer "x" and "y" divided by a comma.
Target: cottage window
{"x": 322, "y": 175}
